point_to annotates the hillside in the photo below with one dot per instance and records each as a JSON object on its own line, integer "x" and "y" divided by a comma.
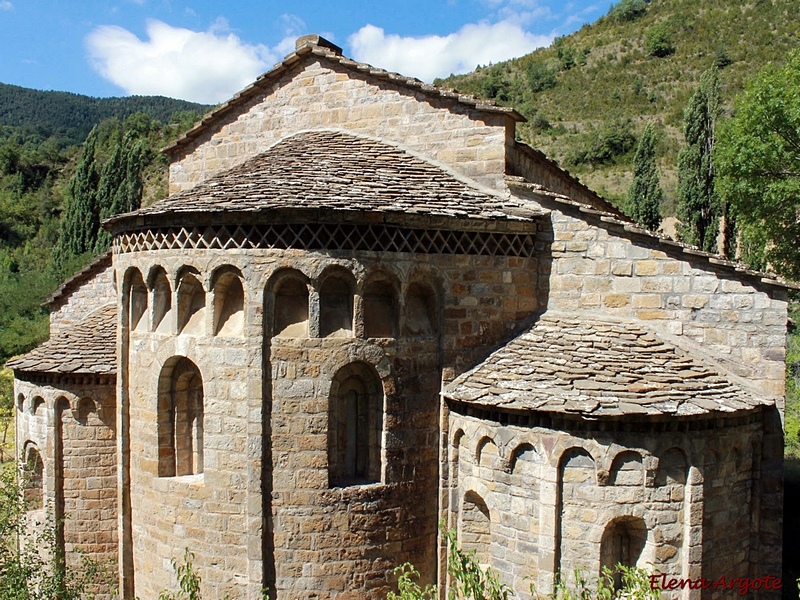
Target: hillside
{"x": 588, "y": 95}
{"x": 69, "y": 117}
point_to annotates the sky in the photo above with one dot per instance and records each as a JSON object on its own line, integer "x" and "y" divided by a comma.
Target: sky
{"x": 205, "y": 51}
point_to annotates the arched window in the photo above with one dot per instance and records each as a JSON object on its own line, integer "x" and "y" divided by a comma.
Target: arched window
{"x": 228, "y": 304}
{"x": 137, "y": 300}
{"x": 622, "y": 543}
{"x": 191, "y": 305}
{"x": 180, "y": 419}
{"x": 336, "y": 305}
{"x": 380, "y": 308}
{"x": 420, "y": 311}
{"x": 355, "y": 422}
{"x": 476, "y": 527}
{"x": 33, "y": 478}
{"x": 162, "y": 301}
{"x": 290, "y": 316}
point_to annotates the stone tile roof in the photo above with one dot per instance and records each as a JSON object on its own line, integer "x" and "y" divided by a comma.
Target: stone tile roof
{"x": 327, "y": 51}
{"x": 88, "y": 347}
{"x": 338, "y": 171}
{"x": 594, "y": 368}
{"x": 522, "y": 188}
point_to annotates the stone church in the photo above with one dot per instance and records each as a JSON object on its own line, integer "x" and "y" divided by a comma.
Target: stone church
{"x": 366, "y": 307}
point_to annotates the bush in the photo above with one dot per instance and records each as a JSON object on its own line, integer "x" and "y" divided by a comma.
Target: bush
{"x": 658, "y": 41}
{"x": 627, "y": 10}
{"x": 540, "y": 77}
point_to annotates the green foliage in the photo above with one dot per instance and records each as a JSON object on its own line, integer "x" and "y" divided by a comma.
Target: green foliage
{"x": 31, "y": 561}
{"x": 188, "y": 580}
{"x": 70, "y": 117}
{"x": 540, "y": 76}
{"x": 468, "y": 580}
{"x": 698, "y": 205}
{"x": 408, "y": 587}
{"x": 627, "y": 10}
{"x": 758, "y": 157}
{"x": 792, "y": 440}
{"x": 645, "y": 195}
{"x": 658, "y": 41}
{"x": 606, "y": 145}
{"x": 620, "y": 583}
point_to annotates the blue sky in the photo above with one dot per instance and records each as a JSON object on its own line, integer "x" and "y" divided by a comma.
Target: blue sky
{"x": 205, "y": 51}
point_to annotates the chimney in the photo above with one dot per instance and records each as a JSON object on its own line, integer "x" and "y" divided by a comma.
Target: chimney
{"x": 316, "y": 40}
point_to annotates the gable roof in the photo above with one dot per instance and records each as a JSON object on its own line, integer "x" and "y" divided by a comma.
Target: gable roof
{"x": 337, "y": 171}
{"x": 88, "y": 347}
{"x": 596, "y": 368}
{"x": 314, "y": 45}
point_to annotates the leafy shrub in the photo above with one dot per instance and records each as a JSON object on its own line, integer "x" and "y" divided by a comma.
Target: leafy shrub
{"x": 627, "y": 10}
{"x": 658, "y": 41}
{"x": 540, "y": 77}
{"x": 604, "y": 146}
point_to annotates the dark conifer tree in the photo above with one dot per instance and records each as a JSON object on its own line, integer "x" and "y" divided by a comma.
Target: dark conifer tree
{"x": 698, "y": 205}
{"x": 645, "y": 195}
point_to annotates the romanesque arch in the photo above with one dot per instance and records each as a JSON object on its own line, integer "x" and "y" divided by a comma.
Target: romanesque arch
{"x": 336, "y": 303}
{"x": 162, "y": 300}
{"x": 180, "y": 418}
{"x": 191, "y": 304}
{"x": 355, "y": 426}
{"x": 290, "y": 304}
{"x": 380, "y": 306}
{"x": 228, "y": 302}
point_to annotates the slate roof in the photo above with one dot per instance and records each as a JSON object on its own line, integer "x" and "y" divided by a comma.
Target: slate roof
{"x": 338, "y": 171}
{"x": 88, "y": 347}
{"x": 593, "y": 368}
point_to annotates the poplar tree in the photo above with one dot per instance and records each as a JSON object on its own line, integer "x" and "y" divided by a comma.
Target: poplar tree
{"x": 81, "y": 219}
{"x": 645, "y": 194}
{"x": 698, "y": 206}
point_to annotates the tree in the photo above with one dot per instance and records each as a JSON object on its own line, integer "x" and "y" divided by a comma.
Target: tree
{"x": 645, "y": 195}
{"x": 658, "y": 41}
{"x": 81, "y": 219}
{"x": 758, "y": 157}
{"x": 698, "y": 205}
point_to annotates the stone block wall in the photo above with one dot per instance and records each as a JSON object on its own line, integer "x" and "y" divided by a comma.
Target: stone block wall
{"x": 98, "y": 290}
{"x": 557, "y": 489}
{"x": 264, "y": 509}
{"x": 73, "y": 427}
{"x": 592, "y": 265}
{"x": 317, "y": 93}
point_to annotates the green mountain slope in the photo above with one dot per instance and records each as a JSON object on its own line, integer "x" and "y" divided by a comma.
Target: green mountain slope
{"x": 69, "y": 117}
{"x": 589, "y": 95}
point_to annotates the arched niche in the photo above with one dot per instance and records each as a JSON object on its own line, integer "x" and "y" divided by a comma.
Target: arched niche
{"x": 627, "y": 469}
{"x": 290, "y": 305}
{"x": 380, "y": 306}
{"x": 476, "y": 527}
{"x": 228, "y": 303}
{"x": 336, "y": 303}
{"x": 33, "y": 477}
{"x": 136, "y": 300}
{"x": 673, "y": 468}
{"x": 162, "y": 300}
{"x": 36, "y": 404}
{"x": 623, "y": 541}
{"x": 86, "y": 407}
{"x": 191, "y": 304}
{"x": 487, "y": 455}
{"x": 20, "y": 402}
{"x": 180, "y": 418}
{"x": 355, "y": 426}
{"x": 421, "y": 311}
{"x": 523, "y": 459}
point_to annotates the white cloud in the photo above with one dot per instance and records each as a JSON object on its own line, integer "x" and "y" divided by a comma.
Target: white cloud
{"x": 6, "y": 5}
{"x": 438, "y": 56}
{"x": 206, "y": 67}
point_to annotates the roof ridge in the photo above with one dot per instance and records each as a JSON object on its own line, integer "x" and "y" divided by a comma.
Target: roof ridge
{"x": 323, "y": 51}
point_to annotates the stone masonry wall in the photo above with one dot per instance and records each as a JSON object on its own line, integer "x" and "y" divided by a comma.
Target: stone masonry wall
{"x": 600, "y": 267}
{"x": 552, "y": 492}
{"x": 320, "y": 94}
{"x": 98, "y": 291}
{"x": 265, "y": 420}
{"x": 74, "y": 428}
